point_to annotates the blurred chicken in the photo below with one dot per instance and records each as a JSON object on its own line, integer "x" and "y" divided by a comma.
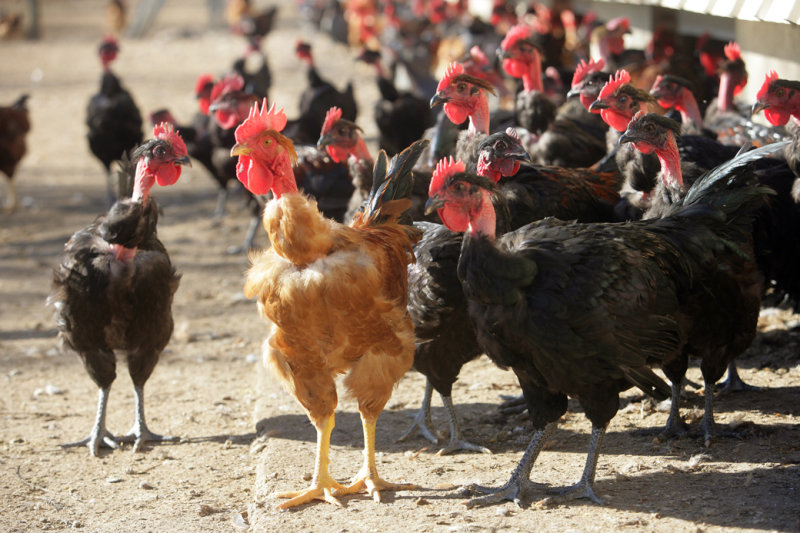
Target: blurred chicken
{"x": 114, "y": 121}
{"x": 14, "y": 127}
{"x": 116, "y": 16}
{"x": 112, "y": 291}
{"x": 350, "y": 317}
{"x": 316, "y": 99}
{"x": 402, "y": 117}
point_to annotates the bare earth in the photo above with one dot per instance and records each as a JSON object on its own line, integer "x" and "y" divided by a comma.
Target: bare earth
{"x": 242, "y": 436}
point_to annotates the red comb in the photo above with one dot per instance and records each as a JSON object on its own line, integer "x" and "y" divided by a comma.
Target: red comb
{"x": 453, "y": 69}
{"x": 110, "y": 39}
{"x": 771, "y": 77}
{"x": 331, "y": 117}
{"x": 619, "y": 22}
{"x": 202, "y": 81}
{"x": 614, "y": 82}
{"x": 231, "y": 82}
{"x": 732, "y": 51}
{"x": 515, "y": 34}
{"x": 165, "y": 132}
{"x": 585, "y": 68}
{"x": 478, "y": 57}
{"x": 260, "y": 120}
{"x": 445, "y": 168}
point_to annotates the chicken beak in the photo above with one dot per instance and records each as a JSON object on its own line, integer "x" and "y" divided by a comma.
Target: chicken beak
{"x": 598, "y": 105}
{"x": 759, "y": 106}
{"x": 240, "y": 149}
{"x": 573, "y": 92}
{"x": 185, "y": 161}
{"x": 627, "y": 138}
{"x": 439, "y": 98}
{"x": 324, "y": 141}
{"x": 434, "y": 202}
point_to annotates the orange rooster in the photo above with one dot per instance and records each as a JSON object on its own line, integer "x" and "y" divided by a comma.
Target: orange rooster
{"x": 334, "y": 294}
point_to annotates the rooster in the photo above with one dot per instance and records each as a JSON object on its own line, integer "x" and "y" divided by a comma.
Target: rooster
{"x": 585, "y": 309}
{"x": 14, "y": 126}
{"x": 112, "y": 291}
{"x": 114, "y": 120}
{"x": 335, "y": 295}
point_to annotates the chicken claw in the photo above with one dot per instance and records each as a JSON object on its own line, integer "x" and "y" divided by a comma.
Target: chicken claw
{"x": 372, "y": 484}
{"x": 322, "y": 489}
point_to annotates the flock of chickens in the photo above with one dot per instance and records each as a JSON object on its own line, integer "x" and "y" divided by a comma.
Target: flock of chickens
{"x": 611, "y": 221}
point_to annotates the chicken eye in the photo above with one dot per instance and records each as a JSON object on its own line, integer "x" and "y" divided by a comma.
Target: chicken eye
{"x": 159, "y": 151}
{"x": 461, "y": 87}
{"x": 622, "y": 99}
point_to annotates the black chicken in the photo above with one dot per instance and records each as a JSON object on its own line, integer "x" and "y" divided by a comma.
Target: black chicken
{"x": 114, "y": 121}
{"x": 402, "y": 117}
{"x": 113, "y": 289}
{"x": 316, "y": 99}
{"x": 585, "y": 309}
{"x": 14, "y": 126}
{"x": 723, "y": 326}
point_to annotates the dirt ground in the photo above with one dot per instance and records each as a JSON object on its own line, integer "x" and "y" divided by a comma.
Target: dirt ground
{"x": 242, "y": 437}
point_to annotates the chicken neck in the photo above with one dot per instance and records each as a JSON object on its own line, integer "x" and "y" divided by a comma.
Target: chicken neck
{"x": 483, "y": 220}
{"x": 725, "y": 94}
{"x": 479, "y": 118}
{"x": 670, "y": 162}
{"x": 532, "y": 75}
{"x": 687, "y": 106}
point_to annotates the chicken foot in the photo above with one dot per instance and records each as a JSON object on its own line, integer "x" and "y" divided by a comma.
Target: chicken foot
{"x": 367, "y": 480}
{"x": 99, "y": 436}
{"x": 734, "y": 383}
{"x": 139, "y": 433}
{"x": 322, "y": 484}
{"x": 422, "y": 420}
{"x": 519, "y": 483}
{"x": 457, "y": 441}
{"x": 583, "y": 488}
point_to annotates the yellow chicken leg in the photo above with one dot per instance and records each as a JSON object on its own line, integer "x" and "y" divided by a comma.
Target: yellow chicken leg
{"x": 367, "y": 479}
{"x": 322, "y": 484}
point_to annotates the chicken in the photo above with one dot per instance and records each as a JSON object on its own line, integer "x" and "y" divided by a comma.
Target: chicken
{"x": 576, "y": 137}
{"x": 723, "y": 326}
{"x": 402, "y": 117}
{"x": 465, "y": 97}
{"x": 585, "y": 309}
{"x": 114, "y": 121}
{"x": 675, "y": 92}
{"x": 780, "y": 252}
{"x": 335, "y": 295}
{"x": 197, "y": 137}
{"x": 14, "y": 127}
{"x": 522, "y": 59}
{"x": 112, "y": 291}
{"x": 341, "y": 139}
{"x": 316, "y": 99}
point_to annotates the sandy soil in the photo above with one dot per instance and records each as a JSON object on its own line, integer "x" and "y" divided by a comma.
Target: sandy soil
{"x": 242, "y": 437}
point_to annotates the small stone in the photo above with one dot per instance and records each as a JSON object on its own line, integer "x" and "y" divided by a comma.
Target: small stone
{"x": 113, "y": 479}
{"x": 146, "y": 486}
